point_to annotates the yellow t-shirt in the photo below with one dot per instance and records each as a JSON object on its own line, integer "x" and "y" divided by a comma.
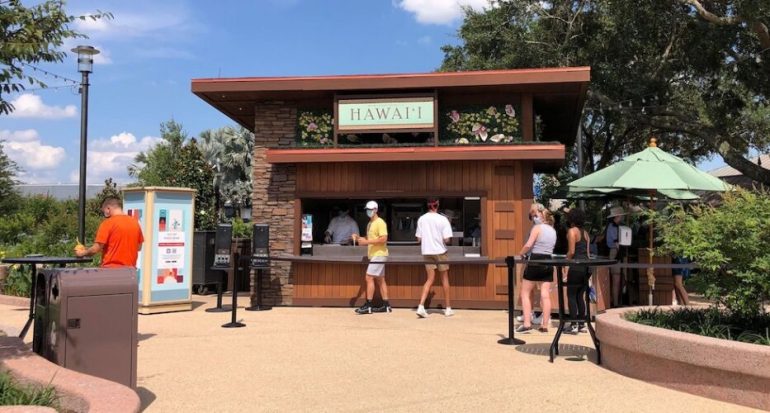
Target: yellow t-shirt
{"x": 374, "y": 230}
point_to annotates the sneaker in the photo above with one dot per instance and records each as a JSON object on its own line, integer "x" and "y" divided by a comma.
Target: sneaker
{"x": 537, "y": 319}
{"x": 570, "y": 329}
{"x": 364, "y": 309}
{"x": 421, "y": 312}
{"x": 520, "y": 318}
{"x": 384, "y": 309}
{"x": 448, "y": 312}
{"x": 523, "y": 330}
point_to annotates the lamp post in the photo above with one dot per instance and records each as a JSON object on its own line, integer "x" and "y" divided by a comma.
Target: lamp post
{"x": 85, "y": 66}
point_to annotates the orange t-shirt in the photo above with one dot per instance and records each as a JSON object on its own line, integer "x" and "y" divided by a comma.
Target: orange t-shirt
{"x": 120, "y": 236}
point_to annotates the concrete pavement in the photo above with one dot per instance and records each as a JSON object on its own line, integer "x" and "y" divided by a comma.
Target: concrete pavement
{"x": 329, "y": 359}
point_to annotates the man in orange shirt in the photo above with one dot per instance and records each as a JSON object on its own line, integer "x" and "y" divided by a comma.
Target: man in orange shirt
{"x": 119, "y": 237}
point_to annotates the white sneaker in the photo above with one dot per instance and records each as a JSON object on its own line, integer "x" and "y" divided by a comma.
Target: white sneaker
{"x": 448, "y": 312}
{"x": 537, "y": 319}
{"x": 421, "y": 312}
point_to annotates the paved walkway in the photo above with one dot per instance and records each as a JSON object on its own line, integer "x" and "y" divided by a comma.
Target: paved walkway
{"x": 329, "y": 359}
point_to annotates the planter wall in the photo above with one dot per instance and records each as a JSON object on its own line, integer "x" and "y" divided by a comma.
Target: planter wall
{"x": 725, "y": 370}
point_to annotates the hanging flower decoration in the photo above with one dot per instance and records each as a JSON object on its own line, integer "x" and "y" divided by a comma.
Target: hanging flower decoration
{"x": 315, "y": 128}
{"x": 488, "y": 125}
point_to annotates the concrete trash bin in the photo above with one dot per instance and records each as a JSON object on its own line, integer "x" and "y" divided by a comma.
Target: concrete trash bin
{"x": 86, "y": 320}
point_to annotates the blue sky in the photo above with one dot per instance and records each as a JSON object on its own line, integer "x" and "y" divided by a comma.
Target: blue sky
{"x": 152, "y": 49}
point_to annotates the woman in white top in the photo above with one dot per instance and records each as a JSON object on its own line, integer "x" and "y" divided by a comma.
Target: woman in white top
{"x": 540, "y": 245}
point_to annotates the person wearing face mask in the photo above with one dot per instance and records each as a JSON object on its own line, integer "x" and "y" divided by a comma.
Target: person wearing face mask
{"x": 536, "y": 216}
{"x": 341, "y": 228}
{"x": 540, "y": 245}
{"x": 119, "y": 237}
{"x": 376, "y": 239}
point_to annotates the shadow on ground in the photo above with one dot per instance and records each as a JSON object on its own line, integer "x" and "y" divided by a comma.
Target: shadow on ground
{"x": 145, "y": 396}
{"x": 571, "y": 352}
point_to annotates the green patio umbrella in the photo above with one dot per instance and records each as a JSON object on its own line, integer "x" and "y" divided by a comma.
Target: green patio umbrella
{"x": 654, "y": 171}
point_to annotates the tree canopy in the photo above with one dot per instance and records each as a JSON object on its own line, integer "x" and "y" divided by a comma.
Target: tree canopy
{"x": 178, "y": 162}
{"x": 29, "y": 35}
{"x": 8, "y": 171}
{"x": 693, "y": 72}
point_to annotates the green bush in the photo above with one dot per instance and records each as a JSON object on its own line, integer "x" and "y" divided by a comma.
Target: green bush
{"x": 730, "y": 244}
{"x": 241, "y": 229}
{"x": 18, "y": 282}
{"x": 13, "y": 394}
{"x": 711, "y": 322}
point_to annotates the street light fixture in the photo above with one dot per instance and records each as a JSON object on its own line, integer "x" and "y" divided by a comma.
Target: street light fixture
{"x": 85, "y": 66}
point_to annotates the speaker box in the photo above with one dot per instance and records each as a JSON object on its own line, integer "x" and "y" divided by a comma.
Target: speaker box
{"x": 260, "y": 246}
{"x": 223, "y": 244}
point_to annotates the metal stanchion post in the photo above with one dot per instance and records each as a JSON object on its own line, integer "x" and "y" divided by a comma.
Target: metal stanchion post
{"x": 236, "y": 270}
{"x": 258, "y": 287}
{"x": 510, "y": 262}
{"x": 219, "y": 308}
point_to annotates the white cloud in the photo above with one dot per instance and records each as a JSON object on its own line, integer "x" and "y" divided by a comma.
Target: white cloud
{"x": 440, "y": 11}
{"x": 28, "y": 151}
{"x": 29, "y": 105}
{"x": 110, "y": 158}
{"x": 164, "y": 19}
{"x": 425, "y": 40}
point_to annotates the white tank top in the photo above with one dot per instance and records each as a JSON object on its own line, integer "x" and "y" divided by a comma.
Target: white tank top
{"x": 545, "y": 241}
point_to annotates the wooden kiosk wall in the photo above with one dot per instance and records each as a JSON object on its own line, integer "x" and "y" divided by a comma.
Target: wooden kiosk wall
{"x": 505, "y": 189}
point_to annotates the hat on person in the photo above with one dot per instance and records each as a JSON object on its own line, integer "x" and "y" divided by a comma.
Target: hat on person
{"x": 616, "y": 212}
{"x": 371, "y": 205}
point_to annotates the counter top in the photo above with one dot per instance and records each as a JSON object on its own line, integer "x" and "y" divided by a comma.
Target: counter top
{"x": 392, "y": 259}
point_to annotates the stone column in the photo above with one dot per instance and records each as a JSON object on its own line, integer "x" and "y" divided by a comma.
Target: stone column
{"x": 274, "y": 186}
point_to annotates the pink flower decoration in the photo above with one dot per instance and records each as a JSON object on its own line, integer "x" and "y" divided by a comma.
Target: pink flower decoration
{"x": 455, "y": 116}
{"x": 312, "y": 126}
{"x": 510, "y": 111}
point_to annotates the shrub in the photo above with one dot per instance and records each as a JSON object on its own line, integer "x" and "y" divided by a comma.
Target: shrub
{"x": 730, "y": 244}
{"x": 13, "y": 394}
{"x": 241, "y": 229}
{"x": 711, "y": 322}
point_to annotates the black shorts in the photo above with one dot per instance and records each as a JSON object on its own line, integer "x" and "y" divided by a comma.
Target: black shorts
{"x": 539, "y": 273}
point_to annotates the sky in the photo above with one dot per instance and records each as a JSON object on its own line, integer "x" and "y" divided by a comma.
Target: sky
{"x": 152, "y": 49}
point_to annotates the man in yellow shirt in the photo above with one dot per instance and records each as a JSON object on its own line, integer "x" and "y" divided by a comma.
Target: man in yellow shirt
{"x": 376, "y": 239}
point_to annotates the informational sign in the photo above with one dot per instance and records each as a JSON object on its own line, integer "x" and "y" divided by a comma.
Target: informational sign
{"x": 385, "y": 114}
{"x": 307, "y": 228}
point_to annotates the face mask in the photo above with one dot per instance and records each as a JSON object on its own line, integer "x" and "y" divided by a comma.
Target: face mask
{"x": 369, "y": 213}
{"x": 537, "y": 220}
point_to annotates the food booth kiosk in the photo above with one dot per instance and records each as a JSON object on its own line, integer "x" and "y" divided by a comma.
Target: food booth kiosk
{"x": 328, "y": 143}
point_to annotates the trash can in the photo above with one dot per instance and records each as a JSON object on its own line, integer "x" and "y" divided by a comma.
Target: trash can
{"x": 86, "y": 320}
{"x": 203, "y": 260}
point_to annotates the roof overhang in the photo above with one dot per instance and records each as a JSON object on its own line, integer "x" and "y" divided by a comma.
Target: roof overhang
{"x": 558, "y": 93}
{"x": 543, "y": 155}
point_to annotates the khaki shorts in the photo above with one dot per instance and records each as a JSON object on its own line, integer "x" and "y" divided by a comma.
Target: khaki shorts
{"x": 436, "y": 262}
{"x": 614, "y": 255}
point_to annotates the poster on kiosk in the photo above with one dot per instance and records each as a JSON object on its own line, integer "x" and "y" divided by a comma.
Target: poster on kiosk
{"x": 164, "y": 265}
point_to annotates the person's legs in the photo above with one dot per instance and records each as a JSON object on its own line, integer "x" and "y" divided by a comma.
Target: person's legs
{"x": 383, "y": 287}
{"x": 431, "y": 271}
{"x": 680, "y": 291}
{"x": 616, "y": 279}
{"x": 545, "y": 302}
{"x": 369, "y": 287}
{"x": 445, "y": 285}
{"x": 526, "y": 303}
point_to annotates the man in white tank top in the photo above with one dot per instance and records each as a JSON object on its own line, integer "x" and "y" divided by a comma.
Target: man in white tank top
{"x": 434, "y": 231}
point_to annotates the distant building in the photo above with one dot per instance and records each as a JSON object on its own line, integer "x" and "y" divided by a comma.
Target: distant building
{"x": 58, "y": 191}
{"x": 735, "y": 177}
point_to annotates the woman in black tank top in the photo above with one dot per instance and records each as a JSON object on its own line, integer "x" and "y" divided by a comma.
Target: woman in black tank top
{"x": 577, "y": 248}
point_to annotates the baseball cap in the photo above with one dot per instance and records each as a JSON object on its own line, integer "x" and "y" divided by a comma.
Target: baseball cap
{"x": 371, "y": 205}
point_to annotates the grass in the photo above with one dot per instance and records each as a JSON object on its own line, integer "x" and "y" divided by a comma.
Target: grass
{"x": 13, "y": 394}
{"x": 710, "y": 322}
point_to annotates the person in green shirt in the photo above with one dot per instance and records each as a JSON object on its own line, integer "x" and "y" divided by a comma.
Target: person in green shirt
{"x": 376, "y": 239}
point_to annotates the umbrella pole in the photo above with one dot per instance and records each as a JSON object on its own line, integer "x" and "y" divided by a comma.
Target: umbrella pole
{"x": 650, "y": 270}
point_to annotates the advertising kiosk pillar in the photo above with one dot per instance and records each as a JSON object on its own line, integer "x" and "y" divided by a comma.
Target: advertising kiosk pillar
{"x": 164, "y": 265}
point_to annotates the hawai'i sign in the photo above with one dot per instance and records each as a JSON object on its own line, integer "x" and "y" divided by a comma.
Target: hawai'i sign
{"x": 385, "y": 114}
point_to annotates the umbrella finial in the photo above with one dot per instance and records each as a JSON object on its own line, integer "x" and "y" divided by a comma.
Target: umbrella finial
{"x": 653, "y": 142}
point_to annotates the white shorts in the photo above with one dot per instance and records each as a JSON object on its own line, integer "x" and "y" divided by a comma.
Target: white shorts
{"x": 376, "y": 270}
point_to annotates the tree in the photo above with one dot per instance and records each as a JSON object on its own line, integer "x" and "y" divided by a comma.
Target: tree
{"x": 177, "y": 162}
{"x": 31, "y": 35}
{"x": 229, "y": 151}
{"x": 8, "y": 193}
{"x": 694, "y": 72}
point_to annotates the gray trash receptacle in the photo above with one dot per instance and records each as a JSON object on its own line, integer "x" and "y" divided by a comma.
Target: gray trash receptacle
{"x": 88, "y": 321}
